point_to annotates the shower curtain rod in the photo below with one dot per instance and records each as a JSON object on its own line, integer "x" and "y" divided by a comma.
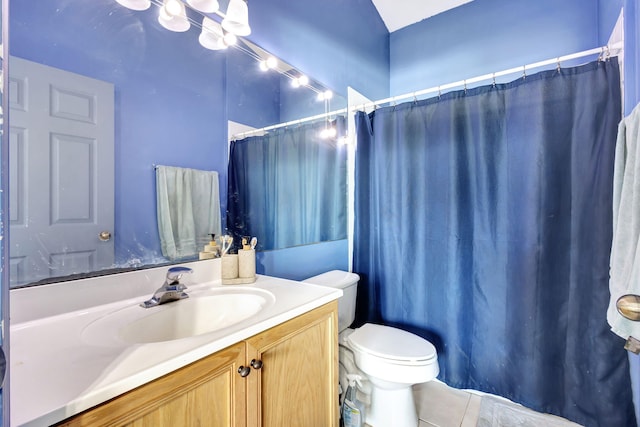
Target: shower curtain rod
{"x": 291, "y": 123}
{"x": 604, "y": 52}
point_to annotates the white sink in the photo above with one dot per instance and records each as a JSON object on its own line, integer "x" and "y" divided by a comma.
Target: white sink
{"x": 203, "y": 312}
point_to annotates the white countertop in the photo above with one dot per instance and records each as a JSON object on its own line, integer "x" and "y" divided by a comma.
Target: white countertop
{"x": 55, "y": 373}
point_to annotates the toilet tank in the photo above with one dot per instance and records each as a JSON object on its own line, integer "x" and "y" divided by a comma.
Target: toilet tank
{"x": 346, "y": 281}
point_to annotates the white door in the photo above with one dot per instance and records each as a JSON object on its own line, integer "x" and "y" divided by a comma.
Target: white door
{"x": 61, "y": 172}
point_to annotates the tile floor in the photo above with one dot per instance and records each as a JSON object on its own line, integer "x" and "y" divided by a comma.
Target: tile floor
{"x": 439, "y": 405}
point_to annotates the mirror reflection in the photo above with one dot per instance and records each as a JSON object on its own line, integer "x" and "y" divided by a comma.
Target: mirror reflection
{"x": 83, "y": 197}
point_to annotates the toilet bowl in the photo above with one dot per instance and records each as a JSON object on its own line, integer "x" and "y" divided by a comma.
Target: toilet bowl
{"x": 392, "y": 359}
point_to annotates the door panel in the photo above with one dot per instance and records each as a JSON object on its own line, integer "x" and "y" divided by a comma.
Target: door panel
{"x": 62, "y": 172}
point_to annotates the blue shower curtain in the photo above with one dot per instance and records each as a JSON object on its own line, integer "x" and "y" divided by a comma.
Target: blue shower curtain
{"x": 288, "y": 187}
{"x": 483, "y": 223}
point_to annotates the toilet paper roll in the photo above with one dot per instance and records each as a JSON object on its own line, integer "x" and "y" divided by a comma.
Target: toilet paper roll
{"x": 247, "y": 263}
{"x": 229, "y": 266}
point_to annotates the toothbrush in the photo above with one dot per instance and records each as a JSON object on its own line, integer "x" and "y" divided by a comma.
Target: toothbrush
{"x": 226, "y": 244}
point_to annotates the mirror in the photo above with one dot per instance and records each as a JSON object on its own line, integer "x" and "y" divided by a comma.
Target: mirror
{"x": 171, "y": 102}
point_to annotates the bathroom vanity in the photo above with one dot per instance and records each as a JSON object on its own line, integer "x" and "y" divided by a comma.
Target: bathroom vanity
{"x": 276, "y": 367}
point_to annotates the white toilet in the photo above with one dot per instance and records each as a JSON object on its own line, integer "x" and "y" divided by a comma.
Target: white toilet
{"x": 392, "y": 359}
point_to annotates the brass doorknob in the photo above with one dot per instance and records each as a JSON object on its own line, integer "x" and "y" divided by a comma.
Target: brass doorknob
{"x": 629, "y": 306}
{"x": 105, "y": 236}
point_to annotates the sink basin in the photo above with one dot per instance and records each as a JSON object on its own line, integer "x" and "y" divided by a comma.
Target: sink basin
{"x": 201, "y": 313}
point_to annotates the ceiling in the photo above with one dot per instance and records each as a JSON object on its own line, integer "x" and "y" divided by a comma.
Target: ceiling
{"x": 398, "y": 14}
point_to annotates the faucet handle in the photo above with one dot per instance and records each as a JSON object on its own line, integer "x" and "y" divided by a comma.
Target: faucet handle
{"x": 175, "y": 273}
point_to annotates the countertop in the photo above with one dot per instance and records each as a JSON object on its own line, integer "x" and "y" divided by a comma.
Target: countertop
{"x": 56, "y": 373}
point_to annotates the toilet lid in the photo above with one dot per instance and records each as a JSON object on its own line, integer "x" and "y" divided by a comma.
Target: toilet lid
{"x": 391, "y": 343}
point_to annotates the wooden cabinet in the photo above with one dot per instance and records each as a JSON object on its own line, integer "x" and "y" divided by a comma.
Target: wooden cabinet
{"x": 298, "y": 380}
{"x": 292, "y": 381}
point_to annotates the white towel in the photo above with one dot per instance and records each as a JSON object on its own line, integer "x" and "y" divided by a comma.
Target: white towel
{"x": 625, "y": 248}
{"x": 188, "y": 209}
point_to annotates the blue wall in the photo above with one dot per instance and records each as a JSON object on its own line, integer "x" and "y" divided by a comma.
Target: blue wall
{"x": 486, "y": 36}
{"x": 632, "y": 34}
{"x": 254, "y": 99}
{"x": 338, "y": 42}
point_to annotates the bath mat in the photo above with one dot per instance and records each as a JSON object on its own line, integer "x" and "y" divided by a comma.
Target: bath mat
{"x": 498, "y": 413}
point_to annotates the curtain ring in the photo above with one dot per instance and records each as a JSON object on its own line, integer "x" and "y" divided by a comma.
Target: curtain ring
{"x": 415, "y": 98}
{"x": 601, "y": 56}
{"x": 558, "y": 64}
{"x": 465, "y": 86}
{"x": 524, "y": 72}
{"x": 439, "y": 93}
{"x": 494, "y": 79}
{"x": 608, "y": 56}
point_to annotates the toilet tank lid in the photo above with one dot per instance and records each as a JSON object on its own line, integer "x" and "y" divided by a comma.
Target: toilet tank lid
{"x": 334, "y": 278}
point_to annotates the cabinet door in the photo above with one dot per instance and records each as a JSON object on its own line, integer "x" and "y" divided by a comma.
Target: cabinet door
{"x": 209, "y": 392}
{"x": 298, "y": 381}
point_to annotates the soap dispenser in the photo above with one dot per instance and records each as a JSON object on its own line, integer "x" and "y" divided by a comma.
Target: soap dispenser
{"x": 239, "y": 268}
{"x": 247, "y": 259}
{"x": 210, "y": 250}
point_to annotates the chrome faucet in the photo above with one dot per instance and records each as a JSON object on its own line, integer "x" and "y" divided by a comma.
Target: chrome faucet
{"x": 172, "y": 290}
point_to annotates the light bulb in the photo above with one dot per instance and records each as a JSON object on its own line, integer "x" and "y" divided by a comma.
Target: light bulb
{"x": 295, "y": 83}
{"x": 211, "y": 35}
{"x": 173, "y": 7}
{"x": 303, "y": 80}
{"x": 323, "y": 96}
{"x": 230, "y": 39}
{"x": 272, "y": 62}
{"x": 206, "y": 6}
{"x": 135, "y": 4}
{"x": 263, "y": 65}
{"x": 329, "y": 132}
{"x": 173, "y": 16}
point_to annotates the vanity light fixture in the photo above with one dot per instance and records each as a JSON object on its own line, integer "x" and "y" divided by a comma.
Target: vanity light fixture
{"x": 217, "y": 35}
{"x": 205, "y": 6}
{"x": 325, "y": 96}
{"x": 328, "y": 132}
{"x": 272, "y": 62}
{"x": 212, "y": 36}
{"x": 268, "y": 64}
{"x": 135, "y": 4}
{"x": 236, "y": 20}
{"x": 173, "y": 16}
{"x": 230, "y": 39}
{"x": 301, "y": 80}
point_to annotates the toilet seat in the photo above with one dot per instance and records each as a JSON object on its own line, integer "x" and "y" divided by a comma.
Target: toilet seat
{"x": 393, "y": 345}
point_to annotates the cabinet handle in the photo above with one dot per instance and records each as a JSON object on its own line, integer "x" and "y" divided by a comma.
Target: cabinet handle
{"x": 244, "y": 371}
{"x": 256, "y": 364}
